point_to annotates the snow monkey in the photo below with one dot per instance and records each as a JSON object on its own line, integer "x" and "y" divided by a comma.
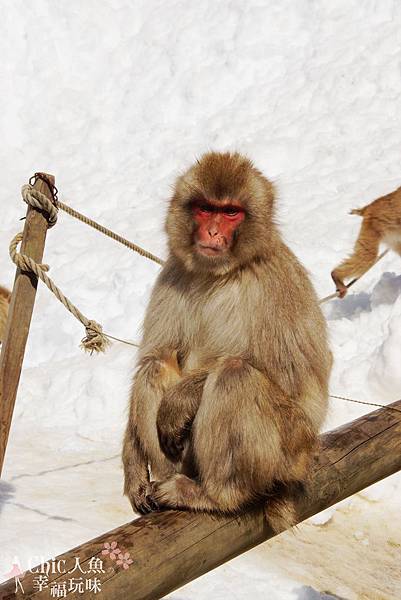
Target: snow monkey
{"x": 5, "y": 297}
{"x": 381, "y": 224}
{"x": 231, "y": 385}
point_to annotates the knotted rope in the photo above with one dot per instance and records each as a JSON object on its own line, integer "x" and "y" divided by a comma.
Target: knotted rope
{"x": 95, "y": 339}
{"x": 40, "y": 201}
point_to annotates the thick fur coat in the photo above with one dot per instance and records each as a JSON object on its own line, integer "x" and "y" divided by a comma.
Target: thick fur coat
{"x": 232, "y": 380}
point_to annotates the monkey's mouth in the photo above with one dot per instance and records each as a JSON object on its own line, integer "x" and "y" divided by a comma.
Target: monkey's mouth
{"x": 210, "y": 250}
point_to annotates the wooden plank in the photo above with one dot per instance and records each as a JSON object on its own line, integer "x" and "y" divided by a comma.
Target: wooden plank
{"x": 171, "y": 548}
{"x": 19, "y": 317}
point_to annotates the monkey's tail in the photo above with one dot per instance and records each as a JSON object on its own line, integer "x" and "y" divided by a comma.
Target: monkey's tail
{"x": 358, "y": 211}
{"x": 280, "y": 506}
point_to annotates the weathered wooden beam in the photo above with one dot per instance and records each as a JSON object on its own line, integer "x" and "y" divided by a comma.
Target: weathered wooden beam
{"x": 171, "y": 548}
{"x": 19, "y": 316}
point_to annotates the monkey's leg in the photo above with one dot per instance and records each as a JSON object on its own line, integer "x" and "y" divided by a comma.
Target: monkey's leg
{"x": 180, "y": 491}
{"x": 247, "y": 436}
{"x": 365, "y": 253}
{"x": 141, "y": 447}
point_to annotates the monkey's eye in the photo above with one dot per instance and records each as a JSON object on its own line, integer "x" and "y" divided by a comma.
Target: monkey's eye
{"x": 231, "y": 211}
{"x": 205, "y": 208}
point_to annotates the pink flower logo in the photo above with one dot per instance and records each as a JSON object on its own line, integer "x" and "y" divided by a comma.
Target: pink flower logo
{"x": 125, "y": 560}
{"x": 111, "y": 550}
{"x": 122, "y": 557}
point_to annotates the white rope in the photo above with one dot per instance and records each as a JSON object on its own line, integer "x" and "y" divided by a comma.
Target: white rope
{"x": 95, "y": 340}
{"x": 40, "y": 201}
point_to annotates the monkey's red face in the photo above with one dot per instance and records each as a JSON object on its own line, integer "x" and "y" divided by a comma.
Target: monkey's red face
{"x": 216, "y": 226}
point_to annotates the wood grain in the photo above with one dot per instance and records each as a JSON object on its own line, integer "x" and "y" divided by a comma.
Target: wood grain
{"x": 172, "y": 548}
{"x": 19, "y": 316}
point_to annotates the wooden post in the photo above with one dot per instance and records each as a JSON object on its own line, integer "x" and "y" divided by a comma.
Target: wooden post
{"x": 171, "y": 548}
{"x": 20, "y": 313}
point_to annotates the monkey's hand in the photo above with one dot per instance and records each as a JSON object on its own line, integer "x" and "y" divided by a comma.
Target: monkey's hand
{"x": 342, "y": 291}
{"x": 177, "y": 412}
{"x": 341, "y": 288}
{"x": 173, "y": 425}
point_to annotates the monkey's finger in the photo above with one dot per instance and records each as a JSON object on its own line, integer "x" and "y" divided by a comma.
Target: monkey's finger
{"x": 140, "y": 504}
{"x": 143, "y": 509}
{"x": 154, "y": 507}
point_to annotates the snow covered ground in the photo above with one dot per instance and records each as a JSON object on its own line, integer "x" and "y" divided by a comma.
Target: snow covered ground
{"x": 115, "y": 98}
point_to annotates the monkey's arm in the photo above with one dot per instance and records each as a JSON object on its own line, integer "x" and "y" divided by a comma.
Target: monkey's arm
{"x": 364, "y": 256}
{"x": 155, "y": 374}
{"x": 177, "y": 412}
{"x": 136, "y": 470}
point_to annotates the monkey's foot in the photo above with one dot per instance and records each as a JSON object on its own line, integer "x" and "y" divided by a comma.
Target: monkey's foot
{"x": 162, "y": 494}
{"x": 140, "y": 499}
{"x": 179, "y": 491}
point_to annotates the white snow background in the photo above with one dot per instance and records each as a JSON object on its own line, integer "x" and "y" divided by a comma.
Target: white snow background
{"x": 115, "y": 98}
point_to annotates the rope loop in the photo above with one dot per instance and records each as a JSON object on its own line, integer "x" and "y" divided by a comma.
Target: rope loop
{"x": 24, "y": 262}
{"x": 95, "y": 340}
{"x": 37, "y": 200}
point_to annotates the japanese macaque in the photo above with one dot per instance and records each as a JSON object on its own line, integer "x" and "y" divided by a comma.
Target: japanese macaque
{"x": 231, "y": 385}
{"x": 5, "y": 297}
{"x": 381, "y": 224}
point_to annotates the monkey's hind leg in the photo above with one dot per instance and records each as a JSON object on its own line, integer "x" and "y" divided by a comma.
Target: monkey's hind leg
{"x": 365, "y": 253}
{"x": 180, "y": 491}
{"x": 238, "y": 437}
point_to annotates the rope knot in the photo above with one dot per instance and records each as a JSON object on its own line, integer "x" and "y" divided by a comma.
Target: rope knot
{"x": 95, "y": 340}
{"x": 37, "y": 200}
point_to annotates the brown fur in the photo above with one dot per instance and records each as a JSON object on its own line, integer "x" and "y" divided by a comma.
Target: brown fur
{"x": 5, "y": 297}
{"x": 236, "y": 419}
{"x": 381, "y": 224}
